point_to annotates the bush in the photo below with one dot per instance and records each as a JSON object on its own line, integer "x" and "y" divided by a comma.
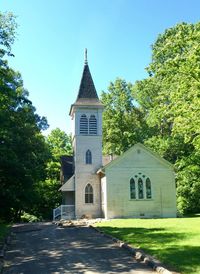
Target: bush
{"x": 28, "y": 218}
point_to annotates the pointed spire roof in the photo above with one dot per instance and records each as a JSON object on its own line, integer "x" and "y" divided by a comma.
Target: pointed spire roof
{"x": 87, "y": 95}
{"x": 87, "y": 89}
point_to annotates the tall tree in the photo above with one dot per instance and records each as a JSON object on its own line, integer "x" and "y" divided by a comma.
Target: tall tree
{"x": 22, "y": 146}
{"x": 22, "y": 149}
{"x": 59, "y": 143}
{"x": 123, "y": 120}
{"x": 171, "y": 98}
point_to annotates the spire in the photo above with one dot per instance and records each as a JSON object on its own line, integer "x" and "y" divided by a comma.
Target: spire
{"x": 86, "y": 61}
{"x": 87, "y": 95}
{"x": 87, "y": 89}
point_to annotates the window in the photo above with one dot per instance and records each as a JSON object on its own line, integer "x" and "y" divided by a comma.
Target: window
{"x": 83, "y": 124}
{"x": 88, "y": 194}
{"x": 93, "y": 125}
{"x": 140, "y": 187}
{"x": 132, "y": 189}
{"x": 88, "y": 157}
{"x": 148, "y": 188}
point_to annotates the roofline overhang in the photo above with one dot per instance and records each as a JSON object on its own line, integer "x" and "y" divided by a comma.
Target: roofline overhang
{"x": 82, "y": 106}
{"x": 101, "y": 171}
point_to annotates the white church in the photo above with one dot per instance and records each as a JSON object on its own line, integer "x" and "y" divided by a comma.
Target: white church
{"x": 137, "y": 184}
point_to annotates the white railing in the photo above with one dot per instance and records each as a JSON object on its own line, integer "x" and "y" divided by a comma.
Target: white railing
{"x": 64, "y": 212}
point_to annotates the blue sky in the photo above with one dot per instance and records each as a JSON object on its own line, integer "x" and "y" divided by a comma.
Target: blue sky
{"x": 52, "y": 36}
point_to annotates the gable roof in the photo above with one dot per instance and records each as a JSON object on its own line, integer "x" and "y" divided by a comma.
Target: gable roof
{"x": 69, "y": 185}
{"x": 139, "y": 146}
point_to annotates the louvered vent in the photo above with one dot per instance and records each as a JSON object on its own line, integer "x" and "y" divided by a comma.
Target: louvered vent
{"x": 92, "y": 125}
{"x": 84, "y": 125}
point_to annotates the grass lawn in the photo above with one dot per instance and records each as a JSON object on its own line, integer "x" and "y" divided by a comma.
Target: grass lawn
{"x": 4, "y": 228}
{"x": 175, "y": 242}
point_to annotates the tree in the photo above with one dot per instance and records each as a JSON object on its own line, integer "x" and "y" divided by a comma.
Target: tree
{"x": 171, "y": 99}
{"x": 123, "y": 119}
{"x": 59, "y": 144}
{"x": 22, "y": 147}
{"x": 7, "y": 33}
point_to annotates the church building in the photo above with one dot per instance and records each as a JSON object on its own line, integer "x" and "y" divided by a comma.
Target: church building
{"x": 138, "y": 183}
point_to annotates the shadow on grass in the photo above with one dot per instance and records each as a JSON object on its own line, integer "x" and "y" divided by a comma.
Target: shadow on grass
{"x": 182, "y": 258}
{"x": 162, "y": 244}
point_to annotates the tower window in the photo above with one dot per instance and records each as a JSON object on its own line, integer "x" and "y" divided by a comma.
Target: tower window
{"x": 88, "y": 157}
{"x": 83, "y": 124}
{"x": 93, "y": 125}
{"x": 88, "y": 194}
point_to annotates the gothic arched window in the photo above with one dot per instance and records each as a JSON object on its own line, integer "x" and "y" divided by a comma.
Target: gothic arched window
{"x": 132, "y": 189}
{"x": 88, "y": 194}
{"x": 83, "y": 124}
{"x": 88, "y": 157}
{"x": 140, "y": 187}
{"x": 148, "y": 188}
{"x": 93, "y": 125}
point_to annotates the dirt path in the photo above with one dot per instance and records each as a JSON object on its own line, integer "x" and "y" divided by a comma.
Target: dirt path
{"x": 46, "y": 248}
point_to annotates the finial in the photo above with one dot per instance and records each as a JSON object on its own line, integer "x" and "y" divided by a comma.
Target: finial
{"x": 86, "y": 57}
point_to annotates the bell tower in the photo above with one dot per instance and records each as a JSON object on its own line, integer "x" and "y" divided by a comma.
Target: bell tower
{"x": 86, "y": 114}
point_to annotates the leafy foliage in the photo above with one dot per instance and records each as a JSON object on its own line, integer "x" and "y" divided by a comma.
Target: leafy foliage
{"x": 23, "y": 151}
{"x": 171, "y": 99}
{"x": 123, "y": 120}
{"x": 59, "y": 144}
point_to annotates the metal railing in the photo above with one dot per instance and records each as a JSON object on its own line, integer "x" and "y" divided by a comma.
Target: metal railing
{"x": 64, "y": 212}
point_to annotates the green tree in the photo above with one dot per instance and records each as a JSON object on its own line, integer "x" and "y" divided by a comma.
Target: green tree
{"x": 7, "y": 33}
{"x": 123, "y": 119}
{"x": 22, "y": 146}
{"x": 59, "y": 144}
{"x": 171, "y": 99}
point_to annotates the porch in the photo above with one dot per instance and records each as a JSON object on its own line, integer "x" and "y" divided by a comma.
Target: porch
{"x": 65, "y": 212}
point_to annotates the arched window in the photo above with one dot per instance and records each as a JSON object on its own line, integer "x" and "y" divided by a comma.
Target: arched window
{"x": 88, "y": 194}
{"x": 93, "y": 125}
{"x": 88, "y": 157}
{"x": 148, "y": 188}
{"x": 132, "y": 189}
{"x": 140, "y": 189}
{"x": 83, "y": 124}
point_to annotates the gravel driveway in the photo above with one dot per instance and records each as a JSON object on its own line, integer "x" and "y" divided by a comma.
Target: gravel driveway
{"x": 46, "y": 248}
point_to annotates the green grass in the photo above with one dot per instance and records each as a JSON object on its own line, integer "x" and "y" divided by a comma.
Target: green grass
{"x": 4, "y": 229}
{"x": 175, "y": 242}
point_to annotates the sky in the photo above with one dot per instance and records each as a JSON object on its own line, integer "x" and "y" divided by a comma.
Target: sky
{"x": 53, "y": 34}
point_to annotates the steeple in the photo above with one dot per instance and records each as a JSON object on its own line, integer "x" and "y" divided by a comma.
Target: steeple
{"x": 87, "y": 89}
{"x": 87, "y": 95}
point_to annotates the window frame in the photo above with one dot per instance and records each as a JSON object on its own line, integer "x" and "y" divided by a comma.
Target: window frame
{"x": 89, "y": 194}
{"x": 88, "y": 157}
{"x": 142, "y": 188}
{"x": 132, "y": 189}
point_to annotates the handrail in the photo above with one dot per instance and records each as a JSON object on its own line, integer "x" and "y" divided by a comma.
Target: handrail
{"x": 64, "y": 212}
